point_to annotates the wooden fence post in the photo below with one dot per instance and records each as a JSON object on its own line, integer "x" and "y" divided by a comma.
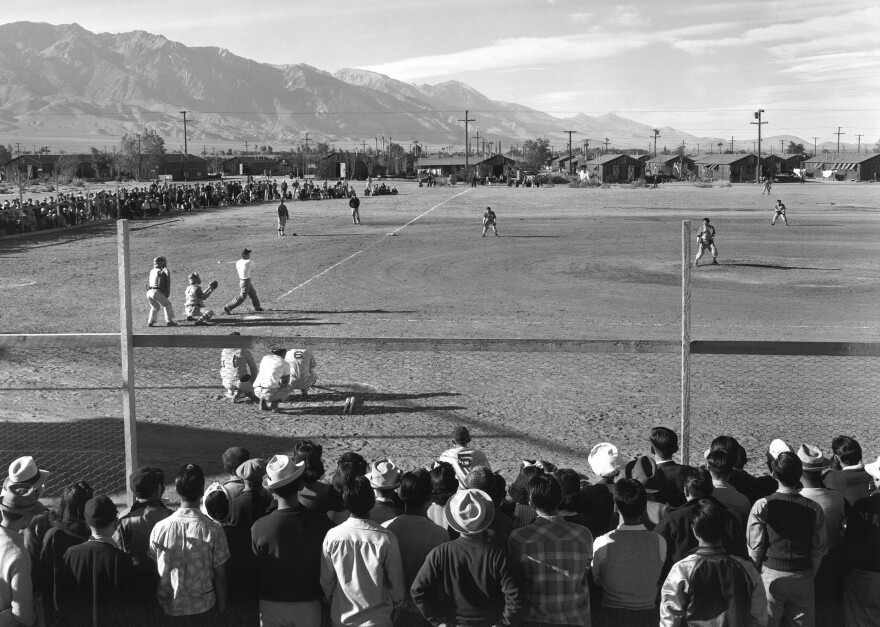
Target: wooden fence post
{"x": 127, "y": 353}
{"x": 685, "y": 341}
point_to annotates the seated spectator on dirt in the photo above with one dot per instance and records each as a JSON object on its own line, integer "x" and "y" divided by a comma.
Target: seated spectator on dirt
{"x": 829, "y": 579}
{"x": 664, "y": 444}
{"x": 99, "y": 575}
{"x": 384, "y": 477}
{"x": 233, "y": 457}
{"x": 628, "y": 562}
{"x": 349, "y": 466}
{"x": 848, "y": 475}
{"x": 302, "y": 369}
{"x": 787, "y": 539}
{"x": 676, "y": 527}
{"x": 361, "y": 567}
{"x": 493, "y": 484}
{"x": 720, "y": 466}
{"x": 518, "y": 497}
{"x": 468, "y": 581}
{"x": 315, "y": 495}
{"x": 68, "y": 529}
{"x": 551, "y": 559}
{"x": 861, "y": 548}
{"x": 190, "y": 551}
{"x": 711, "y": 586}
{"x": 604, "y": 460}
{"x": 463, "y": 457}
{"x": 416, "y": 535}
{"x": 571, "y": 507}
{"x": 18, "y": 503}
{"x": 443, "y": 485}
{"x": 238, "y": 371}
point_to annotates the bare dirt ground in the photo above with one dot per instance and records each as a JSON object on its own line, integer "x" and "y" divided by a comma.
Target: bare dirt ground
{"x": 570, "y": 263}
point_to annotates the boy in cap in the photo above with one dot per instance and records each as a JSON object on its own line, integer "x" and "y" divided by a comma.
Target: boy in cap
{"x": 195, "y": 300}
{"x": 100, "y": 579}
{"x": 18, "y": 504}
{"x": 862, "y": 557}
{"x": 463, "y": 457}
{"x": 158, "y": 293}
{"x": 468, "y": 581}
{"x": 244, "y": 267}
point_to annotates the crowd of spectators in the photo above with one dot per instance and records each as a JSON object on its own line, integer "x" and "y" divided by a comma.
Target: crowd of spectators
{"x": 644, "y": 541}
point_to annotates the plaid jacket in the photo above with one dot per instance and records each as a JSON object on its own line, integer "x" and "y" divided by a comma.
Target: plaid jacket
{"x": 551, "y": 558}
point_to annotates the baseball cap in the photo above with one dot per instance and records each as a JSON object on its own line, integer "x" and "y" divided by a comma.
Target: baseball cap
{"x": 143, "y": 481}
{"x": 100, "y": 511}
{"x": 461, "y": 435}
{"x": 246, "y": 251}
{"x": 159, "y": 260}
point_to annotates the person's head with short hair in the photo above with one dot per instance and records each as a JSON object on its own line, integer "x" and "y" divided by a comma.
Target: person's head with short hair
{"x": 705, "y": 220}
{"x": 733, "y": 448}
{"x": 630, "y": 499}
{"x": 234, "y": 457}
{"x": 719, "y": 464}
{"x": 194, "y": 278}
{"x": 358, "y": 497}
{"x": 444, "y": 483}
{"x": 461, "y": 435}
{"x": 415, "y": 490}
{"x": 100, "y": 515}
{"x": 279, "y": 352}
{"x": 350, "y": 465}
{"x": 310, "y": 453}
{"x": 846, "y": 450}
{"x": 190, "y": 483}
{"x": 246, "y": 254}
{"x": 519, "y": 492}
{"x": 544, "y": 494}
{"x": 787, "y": 469}
{"x": 697, "y": 483}
{"x": 664, "y": 442}
{"x": 707, "y": 522}
{"x": 217, "y": 504}
{"x": 570, "y": 485}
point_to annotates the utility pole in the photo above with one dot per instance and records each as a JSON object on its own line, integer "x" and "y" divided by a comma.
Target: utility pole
{"x": 859, "y": 145}
{"x": 245, "y": 149}
{"x": 606, "y": 144}
{"x": 838, "y": 133}
{"x": 184, "y": 145}
{"x": 377, "y": 144}
{"x": 814, "y": 146}
{"x": 656, "y": 135}
{"x": 364, "y": 145}
{"x": 139, "y": 156}
{"x": 17, "y": 149}
{"x": 570, "y": 169}
{"x": 758, "y": 114}
{"x": 466, "y": 140}
{"x": 781, "y": 146}
{"x": 478, "y": 144}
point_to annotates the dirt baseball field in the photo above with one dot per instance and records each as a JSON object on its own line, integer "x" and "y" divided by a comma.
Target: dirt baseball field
{"x": 569, "y": 264}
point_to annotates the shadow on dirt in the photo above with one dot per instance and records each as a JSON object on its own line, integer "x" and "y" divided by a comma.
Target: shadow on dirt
{"x": 772, "y": 266}
{"x": 343, "y": 311}
{"x": 269, "y": 322}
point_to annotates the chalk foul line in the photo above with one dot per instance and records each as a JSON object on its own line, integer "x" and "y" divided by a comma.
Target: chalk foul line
{"x": 374, "y": 244}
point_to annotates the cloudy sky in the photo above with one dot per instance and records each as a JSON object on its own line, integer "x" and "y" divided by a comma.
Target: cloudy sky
{"x": 699, "y": 66}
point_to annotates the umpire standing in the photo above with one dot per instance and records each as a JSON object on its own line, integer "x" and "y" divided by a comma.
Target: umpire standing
{"x": 244, "y": 267}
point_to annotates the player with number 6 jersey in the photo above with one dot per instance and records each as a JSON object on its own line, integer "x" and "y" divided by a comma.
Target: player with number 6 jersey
{"x": 302, "y": 369}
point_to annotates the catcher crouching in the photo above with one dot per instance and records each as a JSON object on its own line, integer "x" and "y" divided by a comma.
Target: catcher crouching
{"x": 195, "y": 301}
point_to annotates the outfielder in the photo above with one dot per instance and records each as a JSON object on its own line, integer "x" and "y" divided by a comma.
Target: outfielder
{"x": 195, "y": 300}
{"x": 767, "y": 184}
{"x": 158, "y": 291}
{"x": 283, "y": 215}
{"x": 489, "y": 219}
{"x": 706, "y": 240}
{"x": 780, "y": 213}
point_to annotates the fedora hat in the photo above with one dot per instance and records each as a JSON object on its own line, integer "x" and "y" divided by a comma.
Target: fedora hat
{"x": 873, "y": 469}
{"x": 384, "y": 475}
{"x": 644, "y": 470}
{"x": 20, "y": 498}
{"x": 470, "y": 511}
{"x": 604, "y": 460}
{"x": 281, "y": 470}
{"x": 812, "y": 458}
{"x": 24, "y": 470}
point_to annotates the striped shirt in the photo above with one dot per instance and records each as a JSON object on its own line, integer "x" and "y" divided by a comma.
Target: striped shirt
{"x": 552, "y": 558}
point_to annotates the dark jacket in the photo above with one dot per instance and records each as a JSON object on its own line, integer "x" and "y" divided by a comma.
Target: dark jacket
{"x": 674, "y": 474}
{"x": 58, "y": 539}
{"x": 98, "y": 583}
{"x": 599, "y": 506}
{"x": 467, "y": 582}
{"x": 861, "y": 543}
{"x": 853, "y": 483}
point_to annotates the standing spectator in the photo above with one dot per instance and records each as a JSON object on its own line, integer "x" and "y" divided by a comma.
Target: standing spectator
{"x": 742, "y": 481}
{"x": 237, "y": 372}
{"x": 765, "y": 485}
{"x": 287, "y": 545}
{"x": 861, "y": 545}
{"x": 628, "y": 562}
{"x": 245, "y": 268}
{"x": 253, "y": 502}
{"x": 829, "y": 579}
{"x": 720, "y": 466}
{"x": 711, "y": 586}
{"x": 598, "y": 498}
{"x": 233, "y": 457}
{"x": 416, "y": 536}
{"x": 571, "y": 507}
{"x": 18, "y": 503}
{"x": 100, "y": 575}
{"x": 24, "y": 470}
{"x": 499, "y": 530}
{"x": 463, "y": 457}
{"x": 315, "y": 495}
{"x": 849, "y": 476}
{"x": 384, "y": 478}
{"x": 191, "y": 552}
{"x": 664, "y": 444}
{"x": 361, "y": 570}
{"x": 520, "y": 509}
{"x": 349, "y": 466}
{"x": 644, "y": 470}
{"x": 443, "y": 485}
{"x": 786, "y": 536}
{"x": 552, "y": 559}
{"x": 468, "y": 581}
{"x": 158, "y": 293}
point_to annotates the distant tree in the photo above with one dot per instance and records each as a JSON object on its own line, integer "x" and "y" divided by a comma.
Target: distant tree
{"x": 795, "y": 148}
{"x": 139, "y": 152}
{"x": 102, "y": 163}
{"x": 65, "y": 168}
{"x": 877, "y": 146}
{"x": 6, "y": 154}
{"x": 535, "y": 154}
{"x": 229, "y": 151}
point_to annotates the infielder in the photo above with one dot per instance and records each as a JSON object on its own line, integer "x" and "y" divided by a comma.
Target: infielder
{"x": 355, "y": 204}
{"x": 158, "y": 291}
{"x": 780, "y": 213}
{"x": 195, "y": 300}
{"x": 283, "y": 215}
{"x": 706, "y": 240}
{"x": 489, "y": 219}
{"x": 244, "y": 267}
{"x": 302, "y": 369}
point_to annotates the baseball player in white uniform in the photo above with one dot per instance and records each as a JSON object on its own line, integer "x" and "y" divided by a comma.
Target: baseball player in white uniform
{"x": 302, "y": 369}
{"x": 158, "y": 291}
{"x": 706, "y": 241}
{"x": 780, "y": 213}
{"x": 489, "y": 219}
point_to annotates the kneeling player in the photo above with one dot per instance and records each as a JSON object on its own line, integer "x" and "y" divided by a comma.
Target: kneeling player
{"x": 195, "y": 301}
{"x": 302, "y": 369}
{"x": 237, "y": 372}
